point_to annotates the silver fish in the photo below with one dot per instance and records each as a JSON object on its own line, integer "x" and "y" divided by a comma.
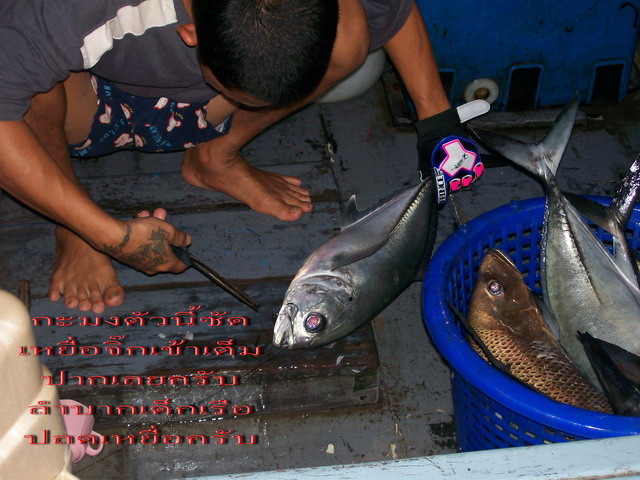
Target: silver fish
{"x": 586, "y": 287}
{"x": 356, "y": 274}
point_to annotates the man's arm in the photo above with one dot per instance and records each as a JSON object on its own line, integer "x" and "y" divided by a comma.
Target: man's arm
{"x": 29, "y": 173}
{"x": 444, "y": 149}
{"x": 411, "y": 53}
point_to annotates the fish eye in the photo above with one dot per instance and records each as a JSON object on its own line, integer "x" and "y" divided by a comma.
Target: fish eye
{"x": 495, "y": 288}
{"x": 315, "y": 322}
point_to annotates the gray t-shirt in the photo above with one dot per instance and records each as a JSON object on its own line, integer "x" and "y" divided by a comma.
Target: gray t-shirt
{"x": 132, "y": 43}
{"x": 385, "y": 18}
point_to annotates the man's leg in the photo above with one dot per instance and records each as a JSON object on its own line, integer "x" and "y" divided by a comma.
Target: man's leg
{"x": 218, "y": 165}
{"x": 411, "y": 53}
{"x": 83, "y": 276}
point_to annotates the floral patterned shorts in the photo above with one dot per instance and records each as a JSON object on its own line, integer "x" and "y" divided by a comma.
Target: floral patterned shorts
{"x": 125, "y": 121}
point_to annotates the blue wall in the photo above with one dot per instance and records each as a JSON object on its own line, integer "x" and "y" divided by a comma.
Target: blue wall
{"x": 566, "y": 41}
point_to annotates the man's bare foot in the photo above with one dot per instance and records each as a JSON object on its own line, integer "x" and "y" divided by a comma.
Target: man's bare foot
{"x": 83, "y": 276}
{"x": 277, "y": 195}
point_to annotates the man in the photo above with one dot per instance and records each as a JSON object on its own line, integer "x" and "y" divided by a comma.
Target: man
{"x": 156, "y": 65}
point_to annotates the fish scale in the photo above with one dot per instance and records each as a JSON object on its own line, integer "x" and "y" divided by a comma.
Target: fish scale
{"x": 508, "y": 325}
{"x": 545, "y": 369}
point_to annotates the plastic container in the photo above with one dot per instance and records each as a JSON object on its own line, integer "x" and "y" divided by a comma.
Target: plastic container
{"x": 359, "y": 81}
{"x": 538, "y": 53}
{"x": 22, "y": 387}
{"x": 492, "y": 410}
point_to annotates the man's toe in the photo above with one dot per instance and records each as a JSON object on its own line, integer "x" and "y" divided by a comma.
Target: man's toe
{"x": 114, "y": 296}
{"x": 97, "y": 301}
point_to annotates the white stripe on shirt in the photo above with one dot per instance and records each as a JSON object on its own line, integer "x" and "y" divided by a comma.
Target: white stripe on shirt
{"x": 130, "y": 19}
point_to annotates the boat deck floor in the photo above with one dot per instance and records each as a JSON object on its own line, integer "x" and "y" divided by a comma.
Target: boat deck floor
{"x": 383, "y": 393}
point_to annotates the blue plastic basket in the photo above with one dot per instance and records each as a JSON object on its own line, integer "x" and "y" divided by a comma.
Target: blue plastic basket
{"x": 491, "y": 409}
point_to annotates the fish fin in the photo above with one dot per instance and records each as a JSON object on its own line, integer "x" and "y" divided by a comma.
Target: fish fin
{"x": 347, "y": 257}
{"x": 514, "y": 150}
{"x": 356, "y": 251}
{"x": 546, "y": 155}
{"x": 612, "y": 220}
{"x": 594, "y": 211}
{"x": 351, "y": 213}
{"x": 627, "y": 362}
{"x": 476, "y": 338}
{"x": 621, "y": 391}
{"x": 555, "y": 143}
{"x": 421, "y": 190}
{"x": 620, "y": 212}
{"x": 617, "y": 215}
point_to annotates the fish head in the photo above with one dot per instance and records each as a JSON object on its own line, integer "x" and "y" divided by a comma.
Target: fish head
{"x": 501, "y": 298}
{"x": 314, "y": 313}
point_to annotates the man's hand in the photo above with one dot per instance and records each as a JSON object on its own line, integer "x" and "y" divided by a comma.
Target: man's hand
{"x": 146, "y": 244}
{"x": 445, "y": 150}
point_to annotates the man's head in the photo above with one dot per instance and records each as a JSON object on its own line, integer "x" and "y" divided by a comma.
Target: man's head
{"x": 276, "y": 51}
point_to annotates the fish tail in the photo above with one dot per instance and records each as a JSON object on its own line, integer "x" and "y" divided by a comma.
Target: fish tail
{"x": 627, "y": 194}
{"x": 555, "y": 143}
{"x": 623, "y": 393}
{"x": 520, "y": 153}
{"x": 614, "y": 218}
{"x": 618, "y": 215}
{"x": 541, "y": 159}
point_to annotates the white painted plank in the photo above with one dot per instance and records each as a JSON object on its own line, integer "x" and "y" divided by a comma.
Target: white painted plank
{"x": 593, "y": 459}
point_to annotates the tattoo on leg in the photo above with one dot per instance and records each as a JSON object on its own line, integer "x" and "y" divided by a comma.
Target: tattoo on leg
{"x": 146, "y": 256}
{"x": 125, "y": 240}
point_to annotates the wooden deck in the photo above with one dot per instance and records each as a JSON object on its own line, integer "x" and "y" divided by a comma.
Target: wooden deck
{"x": 381, "y": 394}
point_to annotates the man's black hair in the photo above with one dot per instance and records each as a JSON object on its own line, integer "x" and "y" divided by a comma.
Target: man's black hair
{"x": 275, "y": 50}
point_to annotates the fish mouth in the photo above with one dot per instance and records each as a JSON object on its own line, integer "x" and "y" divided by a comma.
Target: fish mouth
{"x": 283, "y": 329}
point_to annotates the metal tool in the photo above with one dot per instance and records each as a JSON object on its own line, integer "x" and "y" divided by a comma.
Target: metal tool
{"x": 332, "y": 148}
{"x": 185, "y": 256}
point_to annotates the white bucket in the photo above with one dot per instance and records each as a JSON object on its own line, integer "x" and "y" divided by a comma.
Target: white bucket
{"x": 23, "y": 387}
{"x": 359, "y": 81}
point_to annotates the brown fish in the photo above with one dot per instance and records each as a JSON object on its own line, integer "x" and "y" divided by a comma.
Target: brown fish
{"x": 506, "y": 320}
